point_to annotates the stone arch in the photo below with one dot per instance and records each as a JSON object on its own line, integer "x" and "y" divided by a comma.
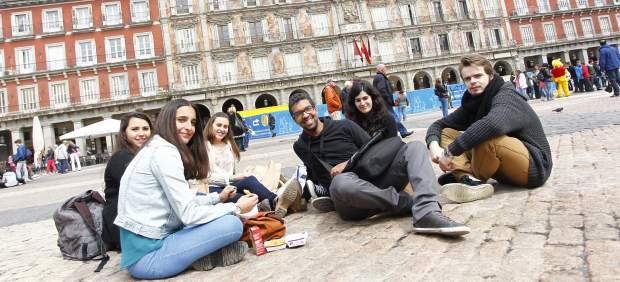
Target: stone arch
{"x": 396, "y": 82}
{"x": 502, "y": 68}
{"x": 204, "y": 113}
{"x": 265, "y": 100}
{"x": 232, "y": 102}
{"x": 422, "y": 80}
{"x": 450, "y": 76}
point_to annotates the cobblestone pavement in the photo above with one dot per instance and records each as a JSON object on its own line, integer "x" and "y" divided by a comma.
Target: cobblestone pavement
{"x": 567, "y": 230}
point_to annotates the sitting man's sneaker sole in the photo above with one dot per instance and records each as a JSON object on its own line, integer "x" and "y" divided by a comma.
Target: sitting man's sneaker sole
{"x": 463, "y": 193}
{"x": 450, "y": 231}
{"x": 225, "y": 256}
{"x": 323, "y": 204}
{"x": 290, "y": 192}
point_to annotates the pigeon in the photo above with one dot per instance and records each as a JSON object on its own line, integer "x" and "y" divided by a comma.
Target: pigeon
{"x": 557, "y": 110}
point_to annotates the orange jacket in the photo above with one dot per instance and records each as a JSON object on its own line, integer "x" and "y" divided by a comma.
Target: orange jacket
{"x": 331, "y": 99}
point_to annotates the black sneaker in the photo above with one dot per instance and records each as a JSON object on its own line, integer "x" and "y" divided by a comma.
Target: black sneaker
{"x": 438, "y": 223}
{"x": 225, "y": 256}
{"x": 467, "y": 189}
{"x": 446, "y": 178}
{"x": 323, "y": 204}
{"x": 407, "y": 134}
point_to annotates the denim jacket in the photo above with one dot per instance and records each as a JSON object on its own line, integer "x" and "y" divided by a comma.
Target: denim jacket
{"x": 154, "y": 198}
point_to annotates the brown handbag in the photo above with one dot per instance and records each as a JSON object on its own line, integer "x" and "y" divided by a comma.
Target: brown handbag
{"x": 271, "y": 226}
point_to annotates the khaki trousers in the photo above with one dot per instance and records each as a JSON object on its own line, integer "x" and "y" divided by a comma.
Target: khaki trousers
{"x": 502, "y": 158}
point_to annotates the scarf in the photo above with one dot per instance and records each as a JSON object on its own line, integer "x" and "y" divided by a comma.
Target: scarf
{"x": 481, "y": 104}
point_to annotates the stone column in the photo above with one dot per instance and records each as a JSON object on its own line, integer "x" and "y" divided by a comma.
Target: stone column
{"x": 584, "y": 55}
{"x": 108, "y": 139}
{"x": 565, "y": 57}
{"x": 16, "y": 134}
{"x": 81, "y": 142}
{"x": 49, "y": 136}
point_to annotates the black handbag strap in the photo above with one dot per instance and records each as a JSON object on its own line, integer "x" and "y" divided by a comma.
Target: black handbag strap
{"x": 87, "y": 216}
{"x": 325, "y": 165}
{"x": 355, "y": 158}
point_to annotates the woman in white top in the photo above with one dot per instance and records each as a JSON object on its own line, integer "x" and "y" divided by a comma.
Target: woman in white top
{"x": 223, "y": 160}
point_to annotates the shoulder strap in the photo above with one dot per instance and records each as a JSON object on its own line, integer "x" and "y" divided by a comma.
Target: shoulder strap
{"x": 90, "y": 222}
{"x": 325, "y": 165}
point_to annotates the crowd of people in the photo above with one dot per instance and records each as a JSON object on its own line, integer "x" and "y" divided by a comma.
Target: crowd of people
{"x": 164, "y": 226}
{"x": 540, "y": 81}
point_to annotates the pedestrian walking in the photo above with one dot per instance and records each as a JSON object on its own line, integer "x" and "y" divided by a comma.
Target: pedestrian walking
{"x": 332, "y": 100}
{"x": 50, "y": 160}
{"x": 272, "y": 124}
{"x": 610, "y": 62}
{"x": 383, "y": 85}
{"x": 20, "y": 158}
{"x": 442, "y": 94}
{"x": 238, "y": 127}
{"x": 402, "y": 103}
{"x": 545, "y": 78}
{"x": 74, "y": 155}
{"x": 521, "y": 84}
{"x": 62, "y": 156}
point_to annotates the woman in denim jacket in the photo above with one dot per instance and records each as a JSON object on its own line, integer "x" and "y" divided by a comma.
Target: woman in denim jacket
{"x": 164, "y": 227}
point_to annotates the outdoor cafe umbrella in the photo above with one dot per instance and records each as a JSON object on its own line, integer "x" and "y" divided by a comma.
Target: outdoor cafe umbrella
{"x": 98, "y": 129}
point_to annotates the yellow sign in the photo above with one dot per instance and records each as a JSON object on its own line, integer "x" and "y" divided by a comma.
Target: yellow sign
{"x": 249, "y": 113}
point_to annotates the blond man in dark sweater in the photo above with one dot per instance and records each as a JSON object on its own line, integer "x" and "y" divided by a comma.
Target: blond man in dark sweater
{"x": 494, "y": 134}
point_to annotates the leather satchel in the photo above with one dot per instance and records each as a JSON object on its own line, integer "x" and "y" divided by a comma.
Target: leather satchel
{"x": 271, "y": 226}
{"x": 370, "y": 161}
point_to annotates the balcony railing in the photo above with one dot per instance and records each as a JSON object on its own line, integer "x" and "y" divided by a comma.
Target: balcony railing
{"x": 110, "y": 20}
{"x": 559, "y": 7}
{"x": 53, "y": 26}
{"x": 82, "y": 22}
{"x": 182, "y": 9}
{"x": 140, "y": 16}
{"x": 21, "y": 30}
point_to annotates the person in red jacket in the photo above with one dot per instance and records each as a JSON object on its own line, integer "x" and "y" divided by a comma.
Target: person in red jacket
{"x": 585, "y": 72}
{"x": 332, "y": 100}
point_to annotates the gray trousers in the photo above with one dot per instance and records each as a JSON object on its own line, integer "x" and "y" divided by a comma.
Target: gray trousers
{"x": 21, "y": 170}
{"x": 355, "y": 198}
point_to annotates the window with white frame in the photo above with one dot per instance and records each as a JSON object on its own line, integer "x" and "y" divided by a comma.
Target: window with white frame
{"x": 114, "y": 49}
{"x": 380, "y": 17}
{"x": 21, "y": 24}
{"x": 24, "y": 60}
{"x": 569, "y": 29}
{"x": 227, "y": 72}
{"x": 55, "y": 54}
{"x": 85, "y": 53}
{"x": 82, "y": 17}
{"x": 599, "y": 3}
{"x": 148, "y": 82}
{"x": 112, "y": 13}
{"x": 2, "y": 70}
{"x": 260, "y": 68}
{"x": 1, "y": 33}
{"x": 326, "y": 59}
{"x": 408, "y": 14}
{"x": 436, "y": 11}
{"x": 186, "y": 41}
{"x": 563, "y": 5}
{"x": 288, "y": 28}
{"x": 89, "y": 90}
{"x": 52, "y": 20}
{"x": 251, "y": 3}
{"x": 444, "y": 43}
{"x": 28, "y": 98}
{"x": 582, "y": 4}
{"x": 293, "y": 64}
{"x": 222, "y": 35}
{"x": 549, "y": 31}
{"x": 4, "y": 106}
{"x": 415, "y": 47}
{"x": 217, "y": 5}
{"x": 182, "y": 7}
{"x": 544, "y": 6}
{"x": 605, "y": 25}
{"x": 527, "y": 35}
{"x": 490, "y": 8}
{"x": 495, "y": 37}
{"x": 255, "y": 29}
{"x": 191, "y": 76}
{"x": 470, "y": 43}
{"x": 386, "y": 51}
{"x": 143, "y": 44}
{"x": 140, "y": 11}
{"x": 521, "y": 7}
{"x": 119, "y": 86}
{"x": 588, "y": 27}
{"x": 59, "y": 94}
{"x": 618, "y": 19}
{"x": 320, "y": 24}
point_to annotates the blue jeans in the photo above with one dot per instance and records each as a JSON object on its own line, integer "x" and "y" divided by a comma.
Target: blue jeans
{"x": 253, "y": 185}
{"x": 401, "y": 128}
{"x": 187, "y": 245}
{"x": 548, "y": 90}
{"x": 401, "y": 113}
{"x": 444, "y": 106}
{"x": 62, "y": 165}
{"x": 612, "y": 77}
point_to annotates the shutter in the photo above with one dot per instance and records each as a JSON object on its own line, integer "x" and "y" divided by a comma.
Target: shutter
{"x": 404, "y": 15}
{"x": 231, "y": 34}
{"x": 282, "y": 33}
{"x": 294, "y": 26}
{"x": 431, "y": 12}
{"x": 246, "y": 32}
{"x": 263, "y": 24}
{"x": 215, "y": 32}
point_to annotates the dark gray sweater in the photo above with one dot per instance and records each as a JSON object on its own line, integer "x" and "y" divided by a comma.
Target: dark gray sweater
{"x": 510, "y": 115}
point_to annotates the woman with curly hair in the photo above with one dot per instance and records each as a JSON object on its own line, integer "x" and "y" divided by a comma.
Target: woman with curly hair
{"x": 367, "y": 109}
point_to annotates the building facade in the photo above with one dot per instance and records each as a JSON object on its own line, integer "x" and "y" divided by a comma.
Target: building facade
{"x": 73, "y": 63}
{"x": 567, "y": 29}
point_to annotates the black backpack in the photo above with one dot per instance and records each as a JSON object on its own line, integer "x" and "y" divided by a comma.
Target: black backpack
{"x": 79, "y": 224}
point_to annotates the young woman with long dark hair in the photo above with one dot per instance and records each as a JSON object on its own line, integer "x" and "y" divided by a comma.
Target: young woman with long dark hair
{"x": 367, "y": 109}
{"x": 134, "y": 131}
{"x": 164, "y": 226}
{"x": 223, "y": 161}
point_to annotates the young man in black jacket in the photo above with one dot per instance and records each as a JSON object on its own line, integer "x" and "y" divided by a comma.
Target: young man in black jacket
{"x": 325, "y": 146}
{"x": 494, "y": 134}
